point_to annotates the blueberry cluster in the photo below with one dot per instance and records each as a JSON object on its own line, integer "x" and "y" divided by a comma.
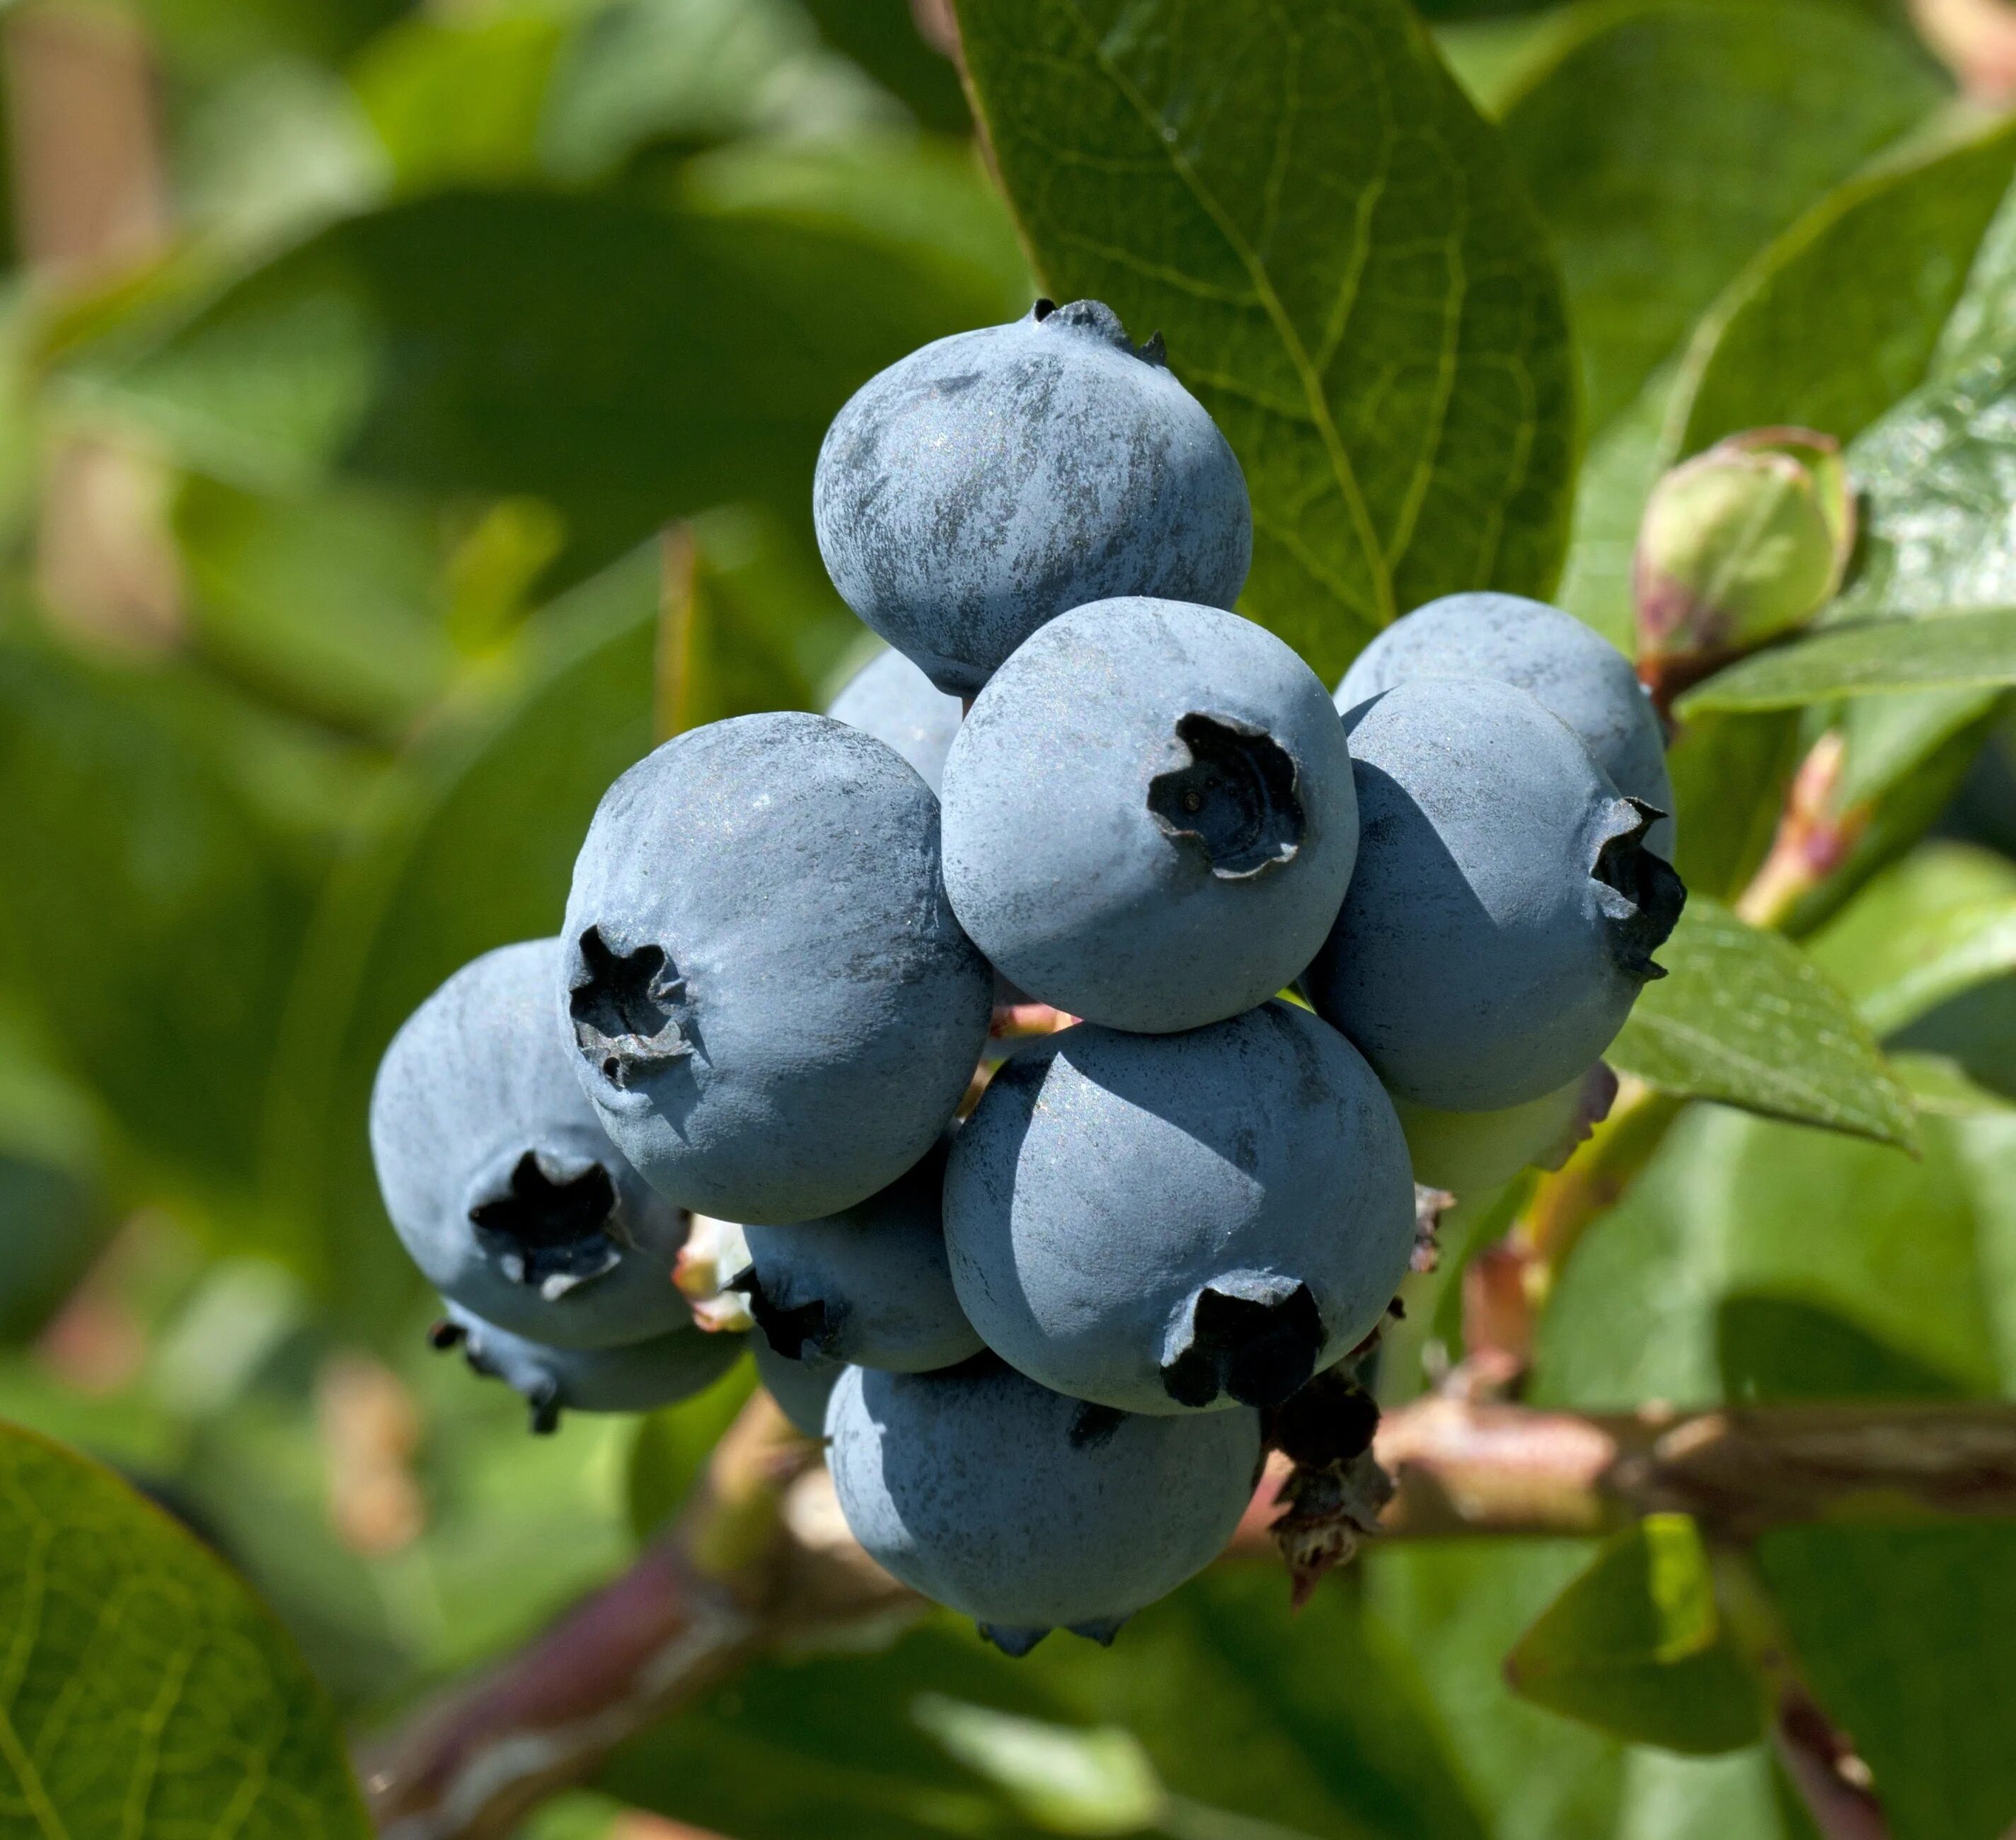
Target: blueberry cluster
{"x": 1041, "y": 1341}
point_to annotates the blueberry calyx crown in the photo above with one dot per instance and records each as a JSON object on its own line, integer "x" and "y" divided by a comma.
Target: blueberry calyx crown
{"x": 1653, "y": 894}
{"x": 798, "y": 1332}
{"x": 1260, "y": 1348}
{"x": 622, "y": 1009}
{"x": 1237, "y": 799}
{"x": 551, "y": 1232}
{"x": 1096, "y": 319}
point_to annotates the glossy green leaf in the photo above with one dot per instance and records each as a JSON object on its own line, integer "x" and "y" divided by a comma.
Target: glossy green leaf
{"x": 1635, "y": 1646}
{"x": 1937, "y": 476}
{"x": 1668, "y": 140}
{"x": 1940, "y": 922}
{"x": 1985, "y": 316}
{"x": 1840, "y": 317}
{"x": 1867, "y": 657}
{"x": 630, "y": 364}
{"x": 1323, "y": 227}
{"x": 150, "y": 915}
{"x": 1745, "y": 1018}
{"x": 1903, "y": 1634}
{"x": 146, "y": 1691}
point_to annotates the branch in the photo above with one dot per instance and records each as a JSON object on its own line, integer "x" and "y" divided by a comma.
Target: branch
{"x": 761, "y": 1558}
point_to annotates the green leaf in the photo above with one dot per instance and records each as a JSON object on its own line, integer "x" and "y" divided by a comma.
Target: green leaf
{"x": 333, "y": 602}
{"x": 1669, "y": 140}
{"x": 1903, "y": 1633}
{"x": 458, "y": 100}
{"x": 1935, "y": 476}
{"x": 882, "y": 36}
{"x": 1732, "y": 1797}
{"x": 1325, "y": 230}
{"x": 1729, "y": 776}
{"x": 1773, "y": 1350}
{"x": 146, "y": 1691}
{"x": 1745, "y": 1018}
{"x": 1840, "y": 315}
{"x": 1735, "y": 1214}
{"x": 1065, "y": 1779}
{"x": 1635, "y": 1646}
{"x": 629, "y": 364}
{"x": 497, "y": 797}
{"x": 1258, "y": 1727}
{"x": 1868, "y": 657}
{"x": 682, "y": 73}
{"x": 1617, "y": 479}
{"x": 930, "y": 200}
{"x": 1456, "y": 1606}
{"x": 149, "y": 919}
{"x": 1938, "y": 923}
{"x": 671, "y": 1446}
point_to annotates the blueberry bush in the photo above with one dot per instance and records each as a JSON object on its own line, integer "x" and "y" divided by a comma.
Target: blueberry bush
{"x": 1193, "y": 825}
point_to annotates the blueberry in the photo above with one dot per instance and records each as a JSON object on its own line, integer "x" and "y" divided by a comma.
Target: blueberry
{"x": 1504, "y": 907}
{"x": 640, "y": 1376}
{"x": 498, "y": 1176}
{"x": 774, "y": 1011}
{"x": 1164, "y": 1223}
{"x": 1029, "y": 1511}
{"x": 891, "y": 699}
{"x": 800, "y": 1388}
{"x": 1150, "y": 819}
{"x": 1566, "y": 667}
{"x": 993, "y": 480}
{"x": 1467, "y": 1152}
{"x": 868, "y": 1285}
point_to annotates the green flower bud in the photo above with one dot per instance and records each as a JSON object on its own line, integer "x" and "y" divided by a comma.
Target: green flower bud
{"x": 1741, "y": 543}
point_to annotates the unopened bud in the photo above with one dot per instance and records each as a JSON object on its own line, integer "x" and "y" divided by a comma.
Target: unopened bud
{"x": 1741, "y": 543}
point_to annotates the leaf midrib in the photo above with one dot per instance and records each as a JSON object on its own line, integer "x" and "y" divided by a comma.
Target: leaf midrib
{"x": 1317, "y": 402}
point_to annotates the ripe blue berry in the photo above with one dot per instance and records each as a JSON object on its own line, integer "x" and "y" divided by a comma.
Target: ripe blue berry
{"x": 1505, "y": 908}
{"x": 868, "y": 1285}
{"x": 993, "y": 480}
{"x": 1150, "y": 817}
{"x": 1568, "y": 668}
{"x": 1168, "y": 1224}
{"x": 1028, "y": 1512}
{"x": 800, "y": 1388}
{"x": 639, "y": 1376}
{"x": 891, "y": 699}
{"x": 774, "y": 1011}
{"x": 497, "y": 1175}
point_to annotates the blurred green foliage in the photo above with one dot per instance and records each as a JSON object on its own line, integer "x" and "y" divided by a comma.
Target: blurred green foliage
{"x": 334, "y": 577}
